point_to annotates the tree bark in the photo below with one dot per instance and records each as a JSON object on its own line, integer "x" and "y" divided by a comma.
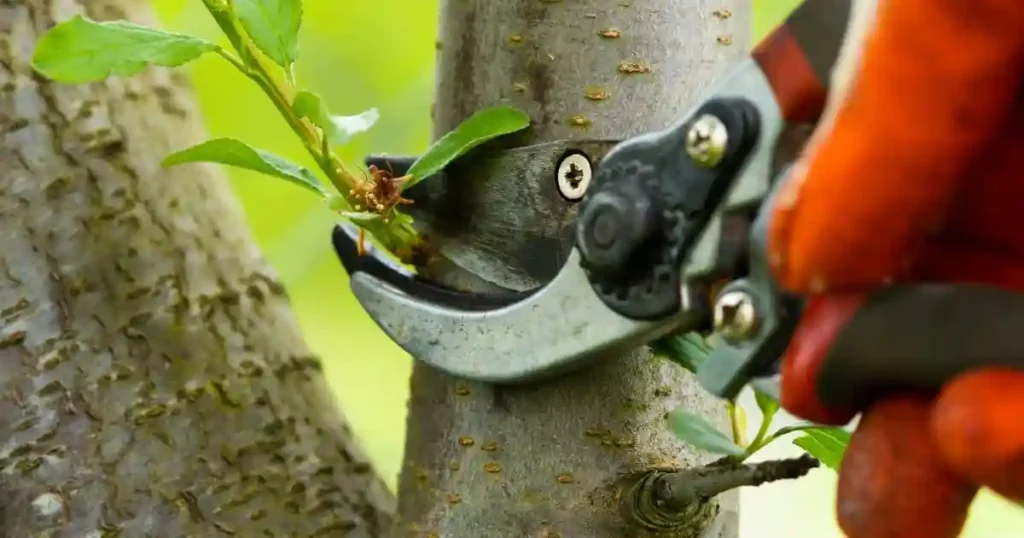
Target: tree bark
{"x": 153, "y": 381}
{"x": 545, "y": 460}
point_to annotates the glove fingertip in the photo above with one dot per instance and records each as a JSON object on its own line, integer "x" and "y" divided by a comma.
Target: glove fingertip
{"x": 977, "y": 425}
{"x": 892, "y": 480}
{"x": 822, "y": 319}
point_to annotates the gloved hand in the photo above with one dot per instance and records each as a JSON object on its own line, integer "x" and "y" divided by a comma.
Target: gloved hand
{"x": 915, "y": 174}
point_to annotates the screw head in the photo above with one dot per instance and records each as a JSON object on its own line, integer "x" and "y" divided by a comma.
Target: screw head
{"x": 573, "y": 176}
{"x": 707, "y": 140}
{"x": 735, "y": 315}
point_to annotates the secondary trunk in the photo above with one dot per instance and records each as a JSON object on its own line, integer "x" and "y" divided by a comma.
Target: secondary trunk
{"x": 153, "y": 381}
{"x": 542, "y": 461}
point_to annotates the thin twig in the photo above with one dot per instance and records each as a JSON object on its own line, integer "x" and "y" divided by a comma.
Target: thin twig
{"x": 660, "y": 500}
{"x": 675, "y": 491}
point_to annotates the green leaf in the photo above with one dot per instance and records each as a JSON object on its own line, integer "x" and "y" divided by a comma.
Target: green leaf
{"x": 347, "y": 126}
{"x": 81, "y": 50}
{"x": 825, "y": 443}
{"x": 768, "y": 405}
{"x": 688, "y": 350}
{"x": 698, "y": 432}
{"x": 794, "y": 428}
{"x": 337, "y": 129}
{"x": 273, "y": 25}
{"x": 485, "y": 125}
{"x": 236, "y": 153}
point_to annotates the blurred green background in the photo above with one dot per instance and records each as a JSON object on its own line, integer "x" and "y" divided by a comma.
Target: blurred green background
{"x": 359, "y": 54}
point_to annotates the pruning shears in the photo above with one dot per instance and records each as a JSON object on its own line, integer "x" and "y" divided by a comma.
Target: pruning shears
{"x": 670, "y": 236}
{"x": 666, "y": 218}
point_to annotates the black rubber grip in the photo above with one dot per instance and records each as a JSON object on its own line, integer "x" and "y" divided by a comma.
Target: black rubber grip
{"x": 819, "y": 27}
{"x": 798, "y": 56}
{"x": 918, "y": 337}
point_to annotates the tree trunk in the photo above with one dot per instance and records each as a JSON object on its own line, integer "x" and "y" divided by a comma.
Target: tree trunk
{"x": 153, "y": 381}
{"x": 543, "y": 461}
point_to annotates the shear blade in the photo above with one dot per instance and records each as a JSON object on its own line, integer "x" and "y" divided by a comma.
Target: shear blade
{"x": 504, "y": 339}
{"x": 369, "y": 260}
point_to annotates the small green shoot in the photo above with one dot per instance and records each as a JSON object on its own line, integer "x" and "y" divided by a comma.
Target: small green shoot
{"x": 337, "y": 129}
{"x": 264, "y": 36}
{"x": 826, "y": 443}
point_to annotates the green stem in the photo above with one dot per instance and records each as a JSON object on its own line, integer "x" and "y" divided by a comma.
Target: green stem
{"x": 734, "y": 423}
{"x": 761, "y": 439}
{"x": 234, "y": 61}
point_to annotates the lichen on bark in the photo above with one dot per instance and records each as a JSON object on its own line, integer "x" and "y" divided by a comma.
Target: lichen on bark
{"x": 153, "y": 381}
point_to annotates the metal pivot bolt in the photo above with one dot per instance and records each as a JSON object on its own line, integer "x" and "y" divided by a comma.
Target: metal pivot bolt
{"x": 573, "y": 176}
{"x": 707, "y": 140}
{"x": 613, "y": 224}
{"x": 735, "y": 316}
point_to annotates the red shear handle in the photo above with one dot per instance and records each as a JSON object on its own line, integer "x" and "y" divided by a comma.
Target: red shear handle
{"x": 916, "y": 337}
{"x": 798, "y": 56}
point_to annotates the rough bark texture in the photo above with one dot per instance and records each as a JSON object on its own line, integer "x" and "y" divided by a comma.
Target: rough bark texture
{"x": 543, "y": 460}
{"x": 153, "y": 381}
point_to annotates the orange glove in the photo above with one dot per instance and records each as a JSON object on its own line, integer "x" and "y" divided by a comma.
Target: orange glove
{"x": 916, "y": 173}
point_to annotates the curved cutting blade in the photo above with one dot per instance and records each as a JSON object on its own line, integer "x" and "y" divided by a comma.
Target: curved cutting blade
{"x": 382, "y": 268}
{"x": 505, "y": 338}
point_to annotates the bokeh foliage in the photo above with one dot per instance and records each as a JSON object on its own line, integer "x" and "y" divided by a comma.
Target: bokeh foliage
{"x": 359, "y": 54}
